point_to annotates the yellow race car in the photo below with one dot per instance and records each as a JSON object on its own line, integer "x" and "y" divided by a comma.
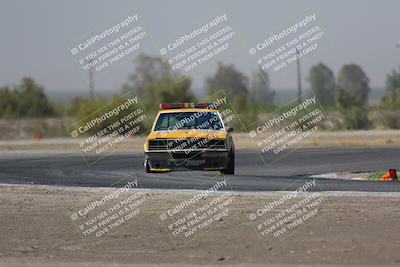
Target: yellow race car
{"x": 189, "y": 136}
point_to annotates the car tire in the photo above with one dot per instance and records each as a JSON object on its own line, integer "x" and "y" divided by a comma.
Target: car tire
{"x": 147, "y": 167}
{"x": 230, "y": 168}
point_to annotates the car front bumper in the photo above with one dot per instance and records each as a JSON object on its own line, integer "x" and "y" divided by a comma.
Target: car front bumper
{"x": 212, "y": 159}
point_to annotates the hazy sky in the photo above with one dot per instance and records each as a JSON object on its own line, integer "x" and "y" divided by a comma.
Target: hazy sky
{"x": 36, "y": 35}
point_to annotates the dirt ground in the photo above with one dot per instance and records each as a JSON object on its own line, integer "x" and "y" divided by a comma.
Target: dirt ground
{"x": 37, "y": 230}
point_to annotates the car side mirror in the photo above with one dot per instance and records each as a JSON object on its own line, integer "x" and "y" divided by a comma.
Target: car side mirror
{"x": 229, "y": 130}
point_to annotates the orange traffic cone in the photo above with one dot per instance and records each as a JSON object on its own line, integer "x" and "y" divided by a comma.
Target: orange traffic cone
{"x": 38, "y": 136}
{"x": 391, "y": 175}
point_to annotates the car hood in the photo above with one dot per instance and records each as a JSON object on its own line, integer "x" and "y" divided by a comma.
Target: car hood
{"x": 209, "y": 134}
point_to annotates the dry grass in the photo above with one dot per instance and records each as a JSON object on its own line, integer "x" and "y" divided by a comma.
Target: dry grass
{"x": 373, "y": 138}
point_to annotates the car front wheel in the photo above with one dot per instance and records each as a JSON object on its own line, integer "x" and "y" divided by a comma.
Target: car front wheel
{"x": 230, "y": 168}
{"x": 147, "y": 167}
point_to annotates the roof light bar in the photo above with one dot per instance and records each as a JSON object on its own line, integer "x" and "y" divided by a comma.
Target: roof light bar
{"x": 185, "y": 105}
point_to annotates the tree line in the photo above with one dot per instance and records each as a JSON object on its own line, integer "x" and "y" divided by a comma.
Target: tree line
{"x": 155, "y": 82}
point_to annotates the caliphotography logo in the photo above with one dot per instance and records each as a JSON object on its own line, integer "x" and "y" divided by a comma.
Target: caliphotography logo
{"x": 182, "y": 133}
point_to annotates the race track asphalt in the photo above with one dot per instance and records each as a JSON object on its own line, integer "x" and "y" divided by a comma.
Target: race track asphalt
{"x": 69, "y": 169}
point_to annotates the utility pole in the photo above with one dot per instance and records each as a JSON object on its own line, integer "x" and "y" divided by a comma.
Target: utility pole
{"x": 298, "y": 76}
{"x": 91, "y": 80}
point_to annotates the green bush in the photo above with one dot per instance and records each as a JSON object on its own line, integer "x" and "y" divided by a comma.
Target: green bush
{"x": 390, "y": 107}
{"x": 87, "y": 109}
{"x": 354, "y": 113}
{"x": 391, "y": 120}
{"x": 25, "y": 100}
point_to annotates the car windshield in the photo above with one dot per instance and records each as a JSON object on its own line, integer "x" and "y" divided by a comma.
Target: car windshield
{"x": 188, "y": 120}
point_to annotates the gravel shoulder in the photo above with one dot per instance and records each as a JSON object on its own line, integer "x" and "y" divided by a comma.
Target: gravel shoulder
{"x": 359, "y": 229}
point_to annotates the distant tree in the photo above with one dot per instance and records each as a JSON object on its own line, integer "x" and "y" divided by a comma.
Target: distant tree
{"x": 393, "y": 81}
{"x": 391, "y": 100}
{"x": 352, "y": 79}
{"x": 322, "y": 82}
{"x": 155, "y": 82}
{"x": 81, "y": 107}
{"x": 236, "y": 86}
{"x": 148, "y": 70}
{"x": 168, "y": 91}
{"x": 260, "y": 90}
{"x": 390, "y": 103}
{"x": 32, "y": 101}
{"x": 25, "y": 100}
{"x": 229, "y": 79}
{"x": 88, "y": 108}
{"x": 390, "y": 109}
{"x": 8, "y": 102}
{"x": 355, "y": 114}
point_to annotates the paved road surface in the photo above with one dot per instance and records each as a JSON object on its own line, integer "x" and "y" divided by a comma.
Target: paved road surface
{"x": 251, "y": 173}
